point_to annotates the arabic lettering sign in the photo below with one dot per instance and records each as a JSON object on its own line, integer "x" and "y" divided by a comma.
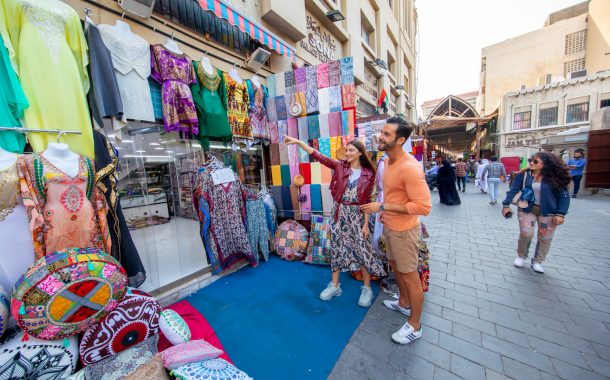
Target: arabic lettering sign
{"x": 319, "y": 43}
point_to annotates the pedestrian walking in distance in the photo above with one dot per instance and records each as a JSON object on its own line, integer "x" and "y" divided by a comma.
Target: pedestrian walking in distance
{"x": 446, "y": 185}
{"x": 461, "y": 170}
{"x": 576, "y": 166}
{"x": 495, "y": 172}
{"x": 480, "y": 177}
{"x": 406, "y": 195}
{"x": 352, "y": 185}
{"x": 544, "y": 184}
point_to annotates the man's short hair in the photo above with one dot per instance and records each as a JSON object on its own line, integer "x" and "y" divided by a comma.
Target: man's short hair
{"x": 460, "y": 159}
{"x": 404, "y": 128}
{"x": 494, "y": 158}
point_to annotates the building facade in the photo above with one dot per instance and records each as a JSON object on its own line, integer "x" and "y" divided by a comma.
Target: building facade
{"x": 529, "y": 117}
{"x": 572, "y": 43}
{"x": 428, "y": 106}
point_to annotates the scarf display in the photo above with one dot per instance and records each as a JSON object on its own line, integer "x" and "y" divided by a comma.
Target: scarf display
{"x": 306, "y": 172}
{"x": 294, "y": 170}
{"x": 294, "y": 197}
{"x": 306, "y": 206}
{"x": 311, "y": 100}
{"x": 274, "y": 153}
{"x": 347, "y": 123}
{"x": 336, "y": 104}
{"x": 316, "y": 198}
{"x": 288, "y": 78}
{"x": 324, "y": 126}
{"x": 334, "y": 73}
{"x": 303, "y": 127}
{"x": 327, "y": 174}
{"x": 280, "y": 86}
{"x": 283, "y": 154}
{"x": 335, "y": 143}
{"x": 286, "y": 179}
{"x": 347, "y": 70}
{"x": 334, "y": 124}
{"x": 299, "y": 97}
{"x": 324, "y": 101}
{"x": 314, "y": 144}
{"x": 301, "y": 77}
{"x": 313, "y": 127}
{"x": 322, "y": 72}
{"x": 274, "y": 134}
{"x": 293, "y": 130}
{"x": 286, "y": 202}
{"x": 316, "y": 173}
{"x": 324, "y": 146}
{"x": 271, "y": 86}
{"x": 288, "y": 100}
{"x": 348, "y": 95}
{"x": 327, "y": 197}
{"x": 346, "y": 139}
{"x": 280, "y": 108}
{"x": 276, "y": 173}
{"x": 303, "y": 155}
{"x": 293, "y": 154}
{"x": 270, "y": 106}
{"x": 282, "y": 128}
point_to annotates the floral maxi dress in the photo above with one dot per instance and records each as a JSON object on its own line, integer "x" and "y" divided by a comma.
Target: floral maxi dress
{"x": 348, "y": 245}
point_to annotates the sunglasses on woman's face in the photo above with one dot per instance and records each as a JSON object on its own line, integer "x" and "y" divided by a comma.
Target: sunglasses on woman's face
{"x": 535, "y": 162}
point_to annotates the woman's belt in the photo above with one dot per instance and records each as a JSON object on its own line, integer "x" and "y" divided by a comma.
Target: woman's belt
{"x": 343, "y": 203}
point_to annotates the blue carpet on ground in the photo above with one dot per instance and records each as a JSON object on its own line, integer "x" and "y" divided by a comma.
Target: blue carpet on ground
{"x": 272, "y": 322}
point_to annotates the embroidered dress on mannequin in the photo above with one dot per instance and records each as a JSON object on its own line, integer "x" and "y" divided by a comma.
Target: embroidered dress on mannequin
{"x": 210, "y": 98}
{"x": 238, "y": 101}
{"x": 48, "y": 52}
{"x": 63, "y": 211}
{"x": 131, "y": 60}
{"x": 176, "y": 73}
{"x": 258, "y": 112}
{"x": 17, "y": 253}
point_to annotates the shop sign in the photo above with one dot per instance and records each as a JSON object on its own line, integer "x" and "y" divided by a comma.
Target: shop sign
{"x": 370, "y": 84}
{"x": 576, "y": 138}
{"x": 532, "y": 139}
{"x": 319, "y": 43}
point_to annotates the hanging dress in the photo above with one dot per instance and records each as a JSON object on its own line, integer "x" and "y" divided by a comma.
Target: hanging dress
{"x": 63, "y": 211}
{"x": 12, "y": 104}
{"x": 238, "y": 101}
{"x": 176, "y": 73}
{"x": 258, "y": 112}
{"x": 48, "y": 52}
{"x": 17, "y": 253}
{"x": 210, "y": 98}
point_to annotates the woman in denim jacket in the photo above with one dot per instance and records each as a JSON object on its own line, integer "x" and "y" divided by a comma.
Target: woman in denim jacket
{"x": 546, "y": 192}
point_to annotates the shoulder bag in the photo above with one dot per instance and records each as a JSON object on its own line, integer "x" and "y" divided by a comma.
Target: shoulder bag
{"x": 517, "y": 201}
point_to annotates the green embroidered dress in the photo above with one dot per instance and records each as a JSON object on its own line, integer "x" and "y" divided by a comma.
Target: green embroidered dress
{"x": 210, "y": 98}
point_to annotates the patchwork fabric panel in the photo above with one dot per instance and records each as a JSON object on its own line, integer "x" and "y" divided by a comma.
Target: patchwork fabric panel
{"x": 291, "y": 240}
{"x": 215, "y": 369}
{"x": 318, "y": 251}
{"x": 136, "y": 318}
{"x": 36, "y": 358}
{"x": 68, "y": 291}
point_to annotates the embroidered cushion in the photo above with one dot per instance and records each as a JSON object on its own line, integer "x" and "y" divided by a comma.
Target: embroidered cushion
{"x": 318, "y": 251}
{"x": 215, "y": 369}
{"x": 5, "y": 308}
{"x": 67, "y": 291}
{"x": 173, "y": 327}
{"x": 189, "y": 352}
{"x": 153, "y": 370}
{"x": 291, "y": 240}
{"x": 125, "y": 363}
{"x": 135, "y": 319}
{"x": 36, "y": 358}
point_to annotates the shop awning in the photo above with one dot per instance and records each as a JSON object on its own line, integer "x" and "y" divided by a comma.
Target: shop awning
{"x": 223, "y": 10}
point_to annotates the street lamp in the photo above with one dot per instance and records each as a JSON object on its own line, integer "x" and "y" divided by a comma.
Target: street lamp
{"x": 335, "y": 15}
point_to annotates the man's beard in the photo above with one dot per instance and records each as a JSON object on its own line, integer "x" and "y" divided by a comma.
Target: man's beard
{"x": 387, "y": 146}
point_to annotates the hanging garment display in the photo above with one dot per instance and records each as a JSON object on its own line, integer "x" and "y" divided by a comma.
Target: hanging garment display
{"x": 322, "y": 73}
{"x": 334, "y": 73}
{"x": 280, "y": 108}
{"x": 63, "y": 211}
{"x": 270, "y": 107}
{"x": 347, "y": 70}
{"x": 348, "y": 96}
{"x": 334, "y": 124}
{"x": 336, "y": 104}
{"x": 301, "y": 79}
{"x": 313, "y": 127}
{"x": 176, "y": 73}
{"x": 48, "y": 52}
{"x": 12, "y": 104}
{"x": 210, "y": 97}
{"x": 311, "y": 77}
{"x": 104, "y": 96}
{"x": 347, "y": 123}
{"x": 293, "y": 130}
{"x": 203, "y": 213}
{"x": 288, "y": 78}
{"x": 274, "y": 133}
{"x": 238, "y": 101}
{"x": 131, "y": 61}
{"x": 274, "y": 153}
{"x": 324, "y": 126}
{"x": 311, "y": 102}
{"x": 271, "y": 86}
{"x": 303, "y": 126}
{"x": 17, "y": 253}
{"x": 280, "y": 87}
{"x": 123, "y": 249}
{"x": 257, "y": 111}
{"x": 324, "y": 101}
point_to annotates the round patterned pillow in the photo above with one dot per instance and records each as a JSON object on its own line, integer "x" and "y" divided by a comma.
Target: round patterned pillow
{"x": 291, "y": 240}
{"x": 174, "y": 327}
{"x": 5, "y": 308}
{"x": 36, "y": 358}
{"x": 215, "y": 369}
{"x": 67, "y": 291}
{"x": 135, "y": 319}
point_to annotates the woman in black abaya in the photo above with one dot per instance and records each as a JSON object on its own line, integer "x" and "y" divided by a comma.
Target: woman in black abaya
{"x": 446, "y": 184}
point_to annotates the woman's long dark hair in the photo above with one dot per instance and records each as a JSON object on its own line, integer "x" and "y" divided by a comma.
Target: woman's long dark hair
{"x": 365, "y": 160}
{"x": 555, "y": 172}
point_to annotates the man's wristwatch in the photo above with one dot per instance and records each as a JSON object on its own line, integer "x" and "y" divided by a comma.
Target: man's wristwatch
{"x": 382, "y": 207}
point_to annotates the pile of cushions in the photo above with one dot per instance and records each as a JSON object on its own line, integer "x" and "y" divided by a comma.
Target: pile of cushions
{"x": 75, "y": 304}
{"x": 291, "y": 240}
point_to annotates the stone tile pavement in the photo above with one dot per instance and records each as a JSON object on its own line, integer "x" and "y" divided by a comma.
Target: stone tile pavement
{"x": 487, "y": 319}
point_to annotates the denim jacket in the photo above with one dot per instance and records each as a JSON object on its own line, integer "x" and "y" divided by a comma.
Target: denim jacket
{"x": 551, "y": 203}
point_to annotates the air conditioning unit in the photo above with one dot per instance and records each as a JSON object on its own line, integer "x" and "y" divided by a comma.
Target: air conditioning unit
{"x": 578, "y": 74}
{"x": 257, "y": 59}
{"x": 141, "y": 8}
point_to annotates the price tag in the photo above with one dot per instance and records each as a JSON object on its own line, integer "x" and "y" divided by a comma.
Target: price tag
{"x": 223, "y": 176}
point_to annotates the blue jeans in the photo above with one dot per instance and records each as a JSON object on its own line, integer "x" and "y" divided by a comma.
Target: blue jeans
{"x": 463, "y": 182}
{"x": 494, "y": 186}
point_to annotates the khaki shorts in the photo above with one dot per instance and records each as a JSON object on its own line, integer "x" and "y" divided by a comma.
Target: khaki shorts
{"x": 403, "y": 247}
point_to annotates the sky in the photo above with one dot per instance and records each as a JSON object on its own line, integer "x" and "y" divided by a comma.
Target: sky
{"x": 453, "y": 33}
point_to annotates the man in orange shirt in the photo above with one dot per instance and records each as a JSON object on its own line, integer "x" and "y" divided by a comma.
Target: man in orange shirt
{"x": 406, "y": 196}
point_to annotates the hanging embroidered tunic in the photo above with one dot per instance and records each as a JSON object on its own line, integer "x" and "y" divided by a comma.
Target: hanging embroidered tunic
{"x": 48, "y": 52}
{"x": 258, "y": 112}
{"x": 238, "y": 100}
{"x": 63, "y": 211}
{"x": 176, "y": 73}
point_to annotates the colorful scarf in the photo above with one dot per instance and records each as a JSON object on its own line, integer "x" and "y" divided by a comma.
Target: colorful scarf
{"x": 293, "y": 154}
{"x": 304, "y": 156}
{"x": 280, "y": 107}
{"x": 274, "y": 134}
{"x": 313, "y": 127}
{"x": 293, "y": 131}
{"x": 301, "y": 75}
{"x": 323, "y": 121}
{"x": 311, "y": 99}
{"x": 324, "y": 100}
{"x": 347, "y": 70}
{"x": 324, "y": 146}
{"x": 327, "y": 174}
{"x": 271, "y": 112}
{"x": 280, "y": 87}
{"x": 306, "y": 206}
{"x": 322, "y": 71}
{"x": 271, "y": 86}
{"x": 346, "y": 139}
{"x": 294, "y": 197}
{"x": 313, "y": 144}
{"x": 285, "y": 169}
{"x": 335, "y": 99}
{"x": 316, "y": 198}
{"x": 312, "y": 78}
{"x": 274, "y": 153}
{"x": 335, "y": 143}
{"x": 316, "y": 174}
{"x": 276, "y": 174}
{"x": 282, "y": 126}
{"x": 300, "y": 98}
{"x": 288, "y": 78}
{"x": 283, "y": 154}
{"x": 347, "y": 122}
{"x": 303, "y": 126}
{"x": 334, "y": 124}
{"x": 348, "y": 96}
{"x": 334, "y": 73}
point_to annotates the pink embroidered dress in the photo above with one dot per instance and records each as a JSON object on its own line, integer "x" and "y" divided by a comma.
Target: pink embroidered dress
{"x": 176, "y": 73}
{"x": 63, "y": 211}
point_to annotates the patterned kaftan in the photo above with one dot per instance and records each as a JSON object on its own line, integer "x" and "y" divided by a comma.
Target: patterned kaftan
{"x": 348, "y": 245}
{"x": 238, "y": 100}
{"x": 258, "y": 113}
{"x": 258, "y": 234}
{"x": 63, "y": 211}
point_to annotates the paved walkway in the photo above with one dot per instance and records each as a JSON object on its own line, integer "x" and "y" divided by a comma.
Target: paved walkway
{"x": 486, "y": 319}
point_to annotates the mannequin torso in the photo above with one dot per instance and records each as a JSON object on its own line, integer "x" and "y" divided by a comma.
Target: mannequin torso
{"x": 63, "y": 158}
{"x": 207, "y": 65}
{"x": 123, "y": 29}
{"x": 172, "y": 46}
{"x": 7, "y": 159}
{"x": 255, "y": 81}
{"x": 233, "y": 74}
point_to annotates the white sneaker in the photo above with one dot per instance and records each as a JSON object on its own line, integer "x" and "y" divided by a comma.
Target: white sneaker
{"x": 393, "y": 305}
{"x": 538, "y": 268}
{"x": 406, "y": 334}
{"x": 519, "y": 262}
{"x": 366, "y": 297}
{"x": 331, "y": 292}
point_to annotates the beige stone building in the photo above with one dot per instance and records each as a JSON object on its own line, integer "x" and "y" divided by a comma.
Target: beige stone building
{"x": 573, "y": 42}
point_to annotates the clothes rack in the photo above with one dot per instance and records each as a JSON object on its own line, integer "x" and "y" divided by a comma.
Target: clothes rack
{"x": 28, "y": 130}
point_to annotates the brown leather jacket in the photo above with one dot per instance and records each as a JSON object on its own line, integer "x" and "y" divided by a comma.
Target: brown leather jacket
{"x": 338, "y": 184}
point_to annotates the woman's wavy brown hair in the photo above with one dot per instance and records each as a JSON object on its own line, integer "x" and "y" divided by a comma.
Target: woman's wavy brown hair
{"x": 365, "y": 160}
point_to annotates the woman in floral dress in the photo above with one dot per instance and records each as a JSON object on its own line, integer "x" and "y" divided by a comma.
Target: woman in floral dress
{"x": 352, "y": 184}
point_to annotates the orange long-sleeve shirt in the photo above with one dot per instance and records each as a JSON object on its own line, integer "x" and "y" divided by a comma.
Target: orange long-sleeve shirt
{"x": 404, "y": 182}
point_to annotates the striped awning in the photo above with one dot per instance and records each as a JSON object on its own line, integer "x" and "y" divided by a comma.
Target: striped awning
{"x": 223, "y": 10}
